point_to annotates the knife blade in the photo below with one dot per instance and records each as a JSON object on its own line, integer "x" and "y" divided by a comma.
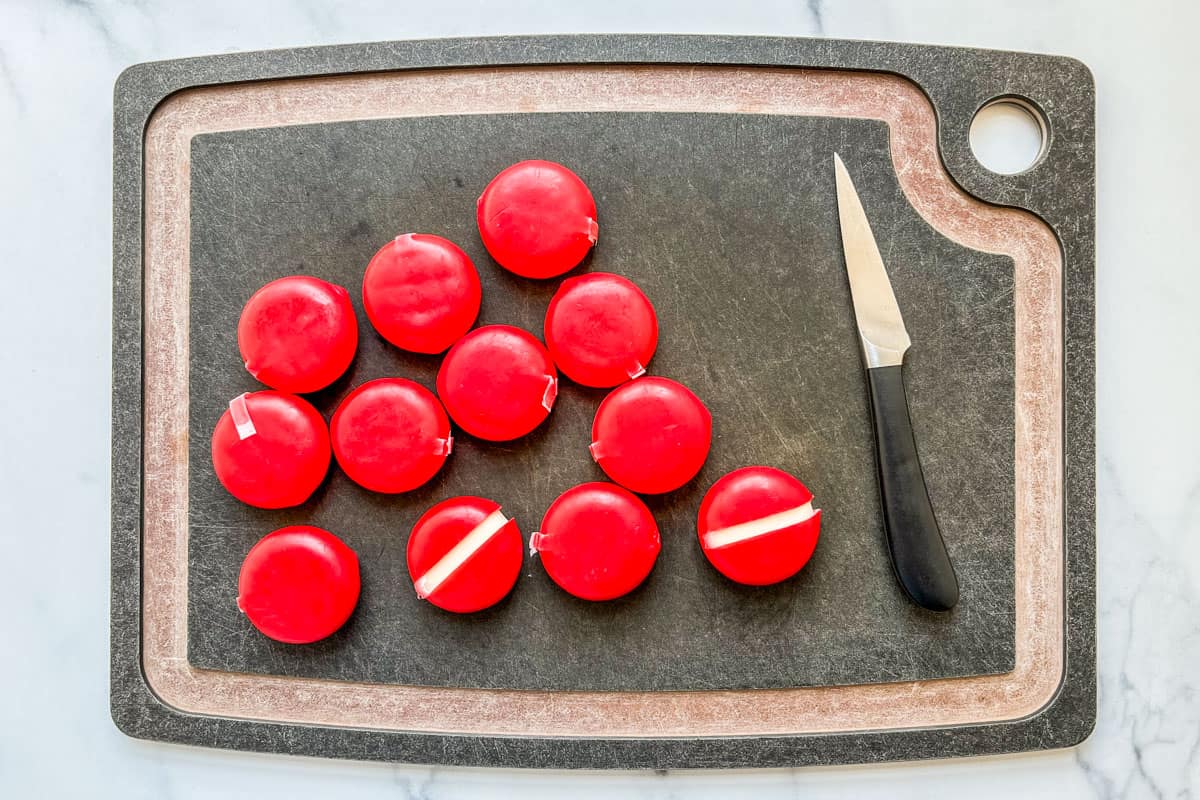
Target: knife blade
{"x": 918, "y": 552}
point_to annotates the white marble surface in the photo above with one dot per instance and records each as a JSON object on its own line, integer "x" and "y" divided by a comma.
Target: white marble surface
{"x": 58, "y": 60}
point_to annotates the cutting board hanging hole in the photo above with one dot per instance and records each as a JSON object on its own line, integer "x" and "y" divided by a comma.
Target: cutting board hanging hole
{"x": 1008, "y": 135}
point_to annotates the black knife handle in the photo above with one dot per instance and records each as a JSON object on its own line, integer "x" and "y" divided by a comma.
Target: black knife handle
{"x": 918, "y": 553}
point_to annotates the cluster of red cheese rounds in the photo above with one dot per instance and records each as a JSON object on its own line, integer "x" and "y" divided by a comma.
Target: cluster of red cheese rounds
{"x": 598, "y": 541}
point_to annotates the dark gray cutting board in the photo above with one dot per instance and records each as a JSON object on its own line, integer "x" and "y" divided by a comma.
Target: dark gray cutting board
{"x": 727, "y": 223}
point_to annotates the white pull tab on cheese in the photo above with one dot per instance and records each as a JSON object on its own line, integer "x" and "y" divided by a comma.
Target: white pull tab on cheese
{"x": 241, "y": 417}
{"x": 551, "y": 393}
{"x": 448, "y": 564}
{"x": 721, "y": 537}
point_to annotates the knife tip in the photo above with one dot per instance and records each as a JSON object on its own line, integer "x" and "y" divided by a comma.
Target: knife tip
{"x": 839, "y": 170}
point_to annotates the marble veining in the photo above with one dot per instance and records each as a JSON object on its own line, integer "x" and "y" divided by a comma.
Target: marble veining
{"x": 814, "y": 8}
{"x": 11, "y": 89}
{"x": 58, "y": 61}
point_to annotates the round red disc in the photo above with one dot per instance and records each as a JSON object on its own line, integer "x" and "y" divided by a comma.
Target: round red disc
{"x": 601, "y": 330}
{"x": 390, "y": 435}
{"x": 464, "y": 555}
{"x": 299, "y": 584}
{"x": 421, "y": 292}
{"x": 498, "y": 383}
{"x": 757, "y": 525}
{"x": 298, "y": 334}
{"x": 537, "y": 219}
{"x": 270, "y": 449}
{"x": 598, "y": 541}
{"x": 651, "y": 435}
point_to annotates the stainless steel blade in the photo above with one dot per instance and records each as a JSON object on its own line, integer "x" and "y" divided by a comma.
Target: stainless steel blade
{"x": 880, "y": 325}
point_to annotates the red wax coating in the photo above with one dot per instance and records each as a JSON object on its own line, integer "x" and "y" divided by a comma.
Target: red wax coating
{"x": 601, "y": 330}
{"x": 299, "y": 584}
{"x": 390, "y": 435}
{"x": 498, "y": 382}
{"x": 651, "y": 435}
{"x": 421, "y": 292}
{"x": 537, "y": 219}
{"x": 270, "y": 449}
{"x": 298, "y": 334}
{"x": 481, "y": 571}
{"x": 766, "y": 517}
{"x": 598, "y": 541}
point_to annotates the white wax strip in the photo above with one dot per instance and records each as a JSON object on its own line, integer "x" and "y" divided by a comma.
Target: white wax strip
{"x": 535, "y": 542}
{"x": 443, "y": 447}
{"x": 593, "y": 230}
{"x": 241, "y": 417}
{"x": 638, "y": 370}
{"x": 597, "y": 451}
{"x": 759, "y": 527}
{"x": 448, "y": 564}
{"x": 550, "y": 393}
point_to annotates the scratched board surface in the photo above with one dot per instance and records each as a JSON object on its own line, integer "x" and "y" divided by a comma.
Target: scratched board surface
{"x": 728, "y": 222}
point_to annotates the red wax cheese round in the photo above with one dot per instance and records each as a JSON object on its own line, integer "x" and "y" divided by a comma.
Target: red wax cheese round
{"x": 601, "y": 330}
{"x": 421, "y": 292}
{"x": 464, "y": 555}
{"x": 270, "y": 449}
{"x": 390, "y": 435}
{"x": 598, "y": 541}
{"x": 299, "y": 584}
{"x": 498, "y": 383}
{"x": 298, "y": 334}
{"x": 758, "y": 525}
{"x": 651, "y": 435}
{"x": 537, "y": 219}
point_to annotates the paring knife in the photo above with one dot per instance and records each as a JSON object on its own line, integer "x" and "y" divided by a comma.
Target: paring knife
{"x": 918, "y": 553}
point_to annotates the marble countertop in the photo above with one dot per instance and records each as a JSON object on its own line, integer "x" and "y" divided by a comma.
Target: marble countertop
{"x": 58, "y": 61}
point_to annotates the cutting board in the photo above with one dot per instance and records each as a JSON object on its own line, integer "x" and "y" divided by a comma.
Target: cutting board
{"x": 711, "y": 163}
